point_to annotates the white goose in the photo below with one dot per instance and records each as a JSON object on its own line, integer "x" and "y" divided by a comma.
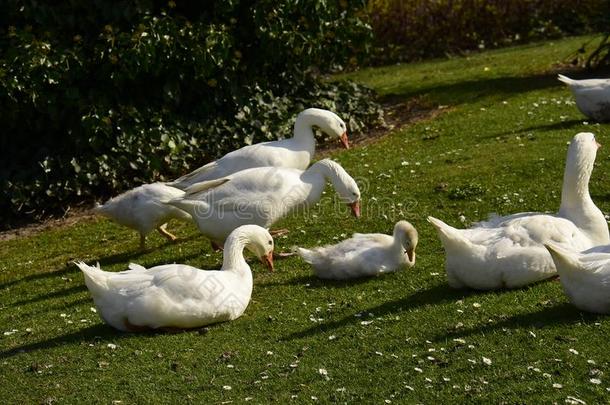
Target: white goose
{"x": 295, "y": 152}
{"x": 141, "y": 209}
{"x": 585, "y": 277}
{"x": 262, "y": 196}
{"x": 364, "y": 254}
{"x": 508, "y": 251}
{"x": 177, "y": 295}
{"x": 592, "y": 96}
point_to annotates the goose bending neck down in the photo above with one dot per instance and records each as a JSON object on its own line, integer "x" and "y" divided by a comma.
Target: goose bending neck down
{"x": 177, "y": 295}
{"x": 325, "y": 120}
{"x": 262, "y": 196}
{"x": 328, "y": 170}
{"x": 508, "y": 251}
{"x": 295, "y": 152}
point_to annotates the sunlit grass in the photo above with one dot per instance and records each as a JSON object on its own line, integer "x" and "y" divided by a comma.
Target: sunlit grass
{"x": 407, "y": 337}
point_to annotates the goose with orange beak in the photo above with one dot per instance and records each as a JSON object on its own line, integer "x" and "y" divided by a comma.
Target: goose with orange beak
{"x": 263, "y": 196}
{"x": 364, "y": 255}
{"x": 509, "y": 251}
{"x": 296, "y": 152}
{"x": 178, "y": 296}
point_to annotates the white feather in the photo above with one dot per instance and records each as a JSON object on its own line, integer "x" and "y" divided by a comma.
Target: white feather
{"x": 295, "y": 152}
{"x": 262, "y": 196}
{"x": 509, "y": 251}
{"x": 177, "y": 295}
{"x": 364, "y": 254}
{"x": 592, "y": 96}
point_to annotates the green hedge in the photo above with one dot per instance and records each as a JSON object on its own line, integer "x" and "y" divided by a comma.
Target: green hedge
{"x": 408, "y": 30}
{"x": 99, "y": 96}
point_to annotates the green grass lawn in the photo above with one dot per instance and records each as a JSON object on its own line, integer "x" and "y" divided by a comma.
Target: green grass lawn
{"x": 498, "y": 146}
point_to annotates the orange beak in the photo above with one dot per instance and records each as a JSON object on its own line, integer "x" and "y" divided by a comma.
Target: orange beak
{"x": 267, "y": 260}
{"x": 411, "y": 255}
{"x": 344, "y": 140}
{"x": 355, "y": 206}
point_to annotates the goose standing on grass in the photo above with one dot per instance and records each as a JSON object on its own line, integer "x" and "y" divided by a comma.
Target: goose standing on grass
{"x": 364, "y": 254}
{"x": 508, "y": 251}
{"x": 585, "y": 277}
{"x": 177, "y": 295}
{"x": 141, "y": 209}
{"x": 295, "y": 152}
{"x": 262, "y": 196}
{"x": 592, "y": 96}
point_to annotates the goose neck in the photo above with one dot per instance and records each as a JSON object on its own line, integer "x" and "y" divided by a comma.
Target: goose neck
{"x": 303, "y": 131}
{"x": 233, "y": 255}
{"x": 325, "y": 168}
{"x": 575, "y": 189}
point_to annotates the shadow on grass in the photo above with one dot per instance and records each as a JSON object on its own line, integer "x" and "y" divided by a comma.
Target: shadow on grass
{"x": 90, "y": 334}
{"x": 39, "y": 276}
{"x": 600, "y": 197}
{"x": 467, "y": 91}
{"x": 557, "y": 315}
{"x": 553, "y": 126}
{"x": 311, "y": 281}
{"x": 129, "y": 256}
{"x": 99, "y": 332}
{"x": 55, "y": 294}
{"x": 434, "y": 295}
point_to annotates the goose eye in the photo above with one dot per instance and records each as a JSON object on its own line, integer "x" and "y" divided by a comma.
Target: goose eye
{"x": 270, "y": 242}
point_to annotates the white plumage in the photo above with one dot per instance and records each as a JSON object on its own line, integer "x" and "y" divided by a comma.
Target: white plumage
{"x": 141, "y": 209}
{"x": 177, "y": 295}
{"x": 295, "y": 152}
{"x": 262, "y": 196}
{"x": 364, "y": 254}
{"x": 585, "y": 277}
{"x": 508, "y": 251}
{"x": 592, "y": 96}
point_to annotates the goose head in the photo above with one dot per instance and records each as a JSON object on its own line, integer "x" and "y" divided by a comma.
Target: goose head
{"x": 259, "y": 242}
{"x": 328, "y": 122}
{"x": 344, "y": 185}
{"x": 346, "y": 188}
{"x": 579, "y": 165}
{"x": 407, "y": 237}
{"x": 583, "y": 148}
{"x": 348, "y": 191}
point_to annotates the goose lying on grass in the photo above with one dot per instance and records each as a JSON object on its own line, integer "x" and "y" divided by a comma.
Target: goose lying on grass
{"x": 592, "y": 96}
{"x": 585, "y": 277}
{"x": 177, "y": 295}
{"x": 508, "y": 251}
{"x": 141, "y": 209}
{"x": 262, "y": 196}
{"x": 295, "y": 152}
{"x": 364, "y": 254}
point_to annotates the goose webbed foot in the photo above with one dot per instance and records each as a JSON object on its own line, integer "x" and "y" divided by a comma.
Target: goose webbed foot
{"x": 165, "y": 233}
